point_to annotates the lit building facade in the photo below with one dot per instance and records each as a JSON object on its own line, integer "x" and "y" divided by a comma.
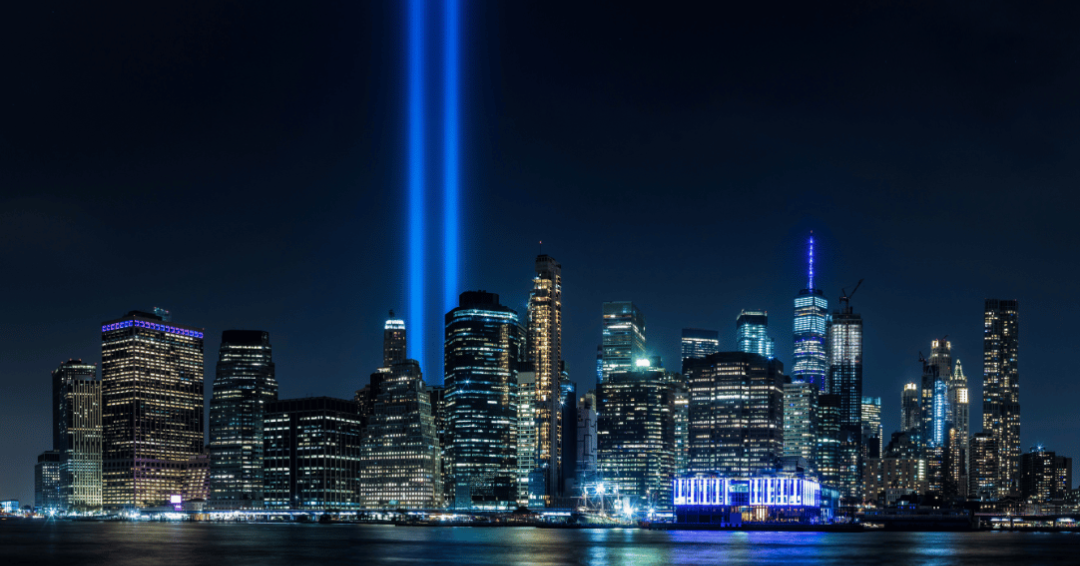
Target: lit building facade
{"x": 845, "y": 380}
{"x": 734, "y": 501}
{"x": 871, "y": 418}
{"x": 698, "y": 343}
{"x": 312, "y": 450}
{"x": 47, "y": 488}
{"x": 1001, "y": 388}
{"x": 959, "y": 407}
{"x": 545, "y": 353}
{"x": 810, "y": 362}
{"x": 910, "y": 413}
{"x": 828, "y": 455}
{"x": 244, "y": 385}
{"x": 636, "y": 436}
{"x": 736, "y": 414}
{"x": 900, "y": 471}
{"x": 400, "y": 456}
{"x": 801, "y": 424}
{"x": 587, "y": 455}
{"x": 76, "y": 397}
{"x": 752, "y": 333}
{"x": 624, "y": 336}
{"x": 527, "y": 435}
{"x": 152, "y": 408}
{"x": 393, "y": 341}
{"x": 482, "y": 350}
{"x": 1044, "y": 475}
{"x": 983, "y": 467}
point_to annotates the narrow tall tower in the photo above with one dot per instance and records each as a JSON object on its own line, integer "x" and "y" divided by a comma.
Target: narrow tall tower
{"x": 393, "y": 341}
{"x": 958, "y": 405}
{"x": 77, "y": 434}
{"x": 545, "y": 352}
{"x": 845, "y": 381}
{"x": 909, "y": 408}
{"x": 1001, "y": 389}
{"x": 810, "y": 362}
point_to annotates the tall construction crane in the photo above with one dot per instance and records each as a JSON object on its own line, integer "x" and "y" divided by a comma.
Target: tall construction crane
{"x": 845, "y": 297}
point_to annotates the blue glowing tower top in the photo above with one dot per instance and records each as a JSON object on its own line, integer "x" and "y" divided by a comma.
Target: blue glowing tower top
{"x": 810, "y": 360}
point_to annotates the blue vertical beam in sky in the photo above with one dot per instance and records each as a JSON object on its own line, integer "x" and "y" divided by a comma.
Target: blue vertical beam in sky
{"x": 416, "y": 180}
{"x": 451, "y": 155}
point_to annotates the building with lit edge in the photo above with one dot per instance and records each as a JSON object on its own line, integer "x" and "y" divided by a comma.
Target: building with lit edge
{"x": 624, "y": 336}
{"x": 752, "y": 333}
{"x": 1044, "y": 476}
{"x": 959, "y": 409}
{"x": 698, "y": 343}
{"x": 909, "y": 409}
{"x": 76, "y": 399}
{"x": 400, "y": 455}
{"x": 544, "y": 351}
{"x": 152, "y": 408}
{"x": 810, "y": 362}
{"x": 482, "y": 350}
{"x": 736, "y": 414}
{"x": 244, "y": 385}
{"x": 47, "y": 489}
{"x": 1001, "y": 389}
{"x": 734, "y": 501}
{"x": 312, "y": 450}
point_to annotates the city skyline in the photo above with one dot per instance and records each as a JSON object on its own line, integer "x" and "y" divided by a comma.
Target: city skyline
{"x": 275, "y": 203}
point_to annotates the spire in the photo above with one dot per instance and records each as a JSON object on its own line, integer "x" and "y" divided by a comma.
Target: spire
{"x": 810, "y": 285}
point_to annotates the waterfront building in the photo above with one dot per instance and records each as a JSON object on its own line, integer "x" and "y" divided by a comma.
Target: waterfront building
{"x": 828, "y": 455}
{"x": 482, "y": 351}
{"x": 871, "y": 418}
{"x": 1044, "y": 475}
{"x": 752, "y": 333}
{"x": 698, "y": 343}
{"x": 734, "y": 501}
{"x": 983, "y": 470}
{"x": 959, "y": 408}
{"x": 910, "y": 412}
{"x": 244, "y": 384}
{"x": 900, "y": 471}
{"x": 400, "y": 455}
{"x": 197, "y": 480}
{"x": 801, "y": 425}
{"x": 545, "y": 353}
{"x": 810, "y": 362}
{"x": 1001, "y": 389}
{"x": 624, "y": 336}
{"x": 76, "y": 398}
{"x": 636, "y": 436}
{"x": 845, "y": 379}
{"x": 312, "y": 450}
{"x": 527, "y": 436}
{"x": 152, "y": 408}
{"x": 587, "y": 455}
{"x": 736, "y": 414}
{"x": 47, "y": 488}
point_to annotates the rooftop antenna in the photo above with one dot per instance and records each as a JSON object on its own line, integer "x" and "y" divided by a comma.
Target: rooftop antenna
{"x": 810, "y": 286}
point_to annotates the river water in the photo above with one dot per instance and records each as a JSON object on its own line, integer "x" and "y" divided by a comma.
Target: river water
{"x": 194, "y": 544}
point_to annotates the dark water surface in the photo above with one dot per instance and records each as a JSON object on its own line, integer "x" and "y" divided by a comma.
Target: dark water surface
{"x": 194, "y": 544}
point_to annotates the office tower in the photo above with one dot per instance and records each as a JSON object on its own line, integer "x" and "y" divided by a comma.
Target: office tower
{"x": 152, "y": 408}
{"x": 482, "y": 350}
{"x": 871, "y": 418}
{"x": 933, "y": 394}
{"x": 983, "y": 469}
{"x": 828, "y": 456}
{"x": 624, "y": 336}
{"x": 76, "y": 393}
{"x": 810, "y": 360}
{"x": 698, "y": 343}
{"x": 244, "y": 384}
{"x": 47, "y": 489}
{"x": 312, "y": 454}
{"x": 845, "y": 379}
{"x": 801, "y": 425}
{"x": 752, "y": 333}
{"x": 399, "y": 459}
{"x": 910, "y": 419}
{"x": 440, "y": 413}
{"x": 1044, "y": 475}
{"x": 527, "y": 436}
{"x": 393, "y": 341}
{"x": 736, "y": 414}
{"x": 1001, "y": 388}
{"x": 197, "y": 479}
{"x": 959, "y": 407}
{"x": 586, "y": 440}
{"x": 900, "y": 471}
{"x": 365, "y": 396}
{"x": 681, "y": 408}
{"x": 545, "y": 353}
{"x": 636, "y": 435}
{"x": 568, "y": 406}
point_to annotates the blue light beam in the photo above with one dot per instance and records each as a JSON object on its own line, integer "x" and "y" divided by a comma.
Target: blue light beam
{"x": 451, "y": 154}
{"x": 416, "y": 179}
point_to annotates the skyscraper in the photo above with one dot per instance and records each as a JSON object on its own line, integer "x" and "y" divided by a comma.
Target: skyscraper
{"x": 1044, "y": 475}
{"x": 244, "y": 385}
{"x": 810, "y": 362}
{"x": 76, "y": 400}
{"x": 393, "y": 341}
{"x": 910, "y": 419}
{"x": 482, "y": 351}
{"x": 961, "y": 420}
{"x": 527, "y": 436}
{"x": 736, "y": 414}
{"x": 933, "y": 394}
{"x": 828, "y": 457}
{"x": 871, "y": 418}
{"x": 801, "y": 424}
{"x": 152, "y": 408}
{"x": 983, "y": 467}
{"x": 545, "y": 353}
{"x": 845, "y": 379}
{"x": 586, "y": 439}
{"x": 624, "y": 336}
{"x": 47, "y": 488}
{"x": 752, "y": 333}
{"x": 698, "y": 343}
{"x": 1001, "y": 388}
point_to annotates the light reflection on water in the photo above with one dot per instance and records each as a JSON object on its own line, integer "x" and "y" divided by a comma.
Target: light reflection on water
{"x": 138, "y": 544}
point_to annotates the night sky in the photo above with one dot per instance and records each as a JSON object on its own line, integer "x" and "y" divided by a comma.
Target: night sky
{"x": 243, "y": 164}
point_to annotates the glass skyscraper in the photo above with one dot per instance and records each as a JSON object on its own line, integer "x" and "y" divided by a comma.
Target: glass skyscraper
{"x": 244, "y": 385}
{"x": 810, "y": 362}
{"x": 482, "y": 350}
{"x": 752, "y": 333}
{"x": 1001, "y": 388}
{"x": 698, "y": 343}
{"x": 47, "y": 488}
{"x": 909, "y": 410}
{"x": 152, "y": 408}
{"x": 545, "y": 353}
{"x": 845, "y": 380}
{"x": 934, "y": 397}
{"x": 624, "y": 336}
{"x": 76, "y": 392}
{"x": 961, "y": 420}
